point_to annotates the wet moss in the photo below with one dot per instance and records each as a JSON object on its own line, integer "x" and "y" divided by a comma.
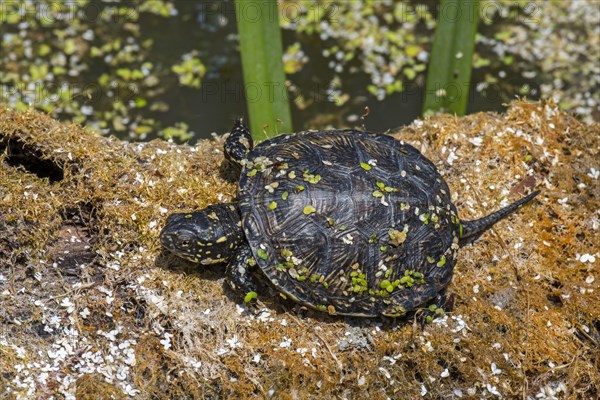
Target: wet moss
{"x": 192, "y": 337}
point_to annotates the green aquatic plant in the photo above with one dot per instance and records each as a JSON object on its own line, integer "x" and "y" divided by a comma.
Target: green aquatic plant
{"x": 449, "y": 70}
{"x": 262, "y": 63}
{"x": 190, "y": 71}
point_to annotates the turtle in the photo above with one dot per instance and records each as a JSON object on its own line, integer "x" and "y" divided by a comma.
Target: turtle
{"x": 347, "y": 222}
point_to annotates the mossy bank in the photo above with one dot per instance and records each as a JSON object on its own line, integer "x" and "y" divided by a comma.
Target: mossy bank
{"x": 90, "y": 304}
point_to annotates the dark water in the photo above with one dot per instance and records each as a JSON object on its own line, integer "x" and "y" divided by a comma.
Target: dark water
{"x": 208, "y": 27}
{"x": 221, "y": 98}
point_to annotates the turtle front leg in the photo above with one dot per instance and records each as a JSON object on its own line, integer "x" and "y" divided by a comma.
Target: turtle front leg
{"x": 239, "y": 143}
{"x": 239, "y": 273}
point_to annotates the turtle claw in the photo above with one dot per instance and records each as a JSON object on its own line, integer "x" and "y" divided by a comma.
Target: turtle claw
{"x": 254, "y": 307}
{"x": 438, "y": 308}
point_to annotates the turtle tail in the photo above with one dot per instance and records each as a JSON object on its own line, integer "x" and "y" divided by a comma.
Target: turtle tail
{"x": 471, "y": 230}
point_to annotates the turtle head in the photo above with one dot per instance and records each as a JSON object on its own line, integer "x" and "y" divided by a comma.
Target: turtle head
{"x": 208, "y": 236}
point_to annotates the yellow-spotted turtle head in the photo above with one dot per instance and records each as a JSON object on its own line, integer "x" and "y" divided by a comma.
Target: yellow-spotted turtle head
{"x": 208, "y": 236}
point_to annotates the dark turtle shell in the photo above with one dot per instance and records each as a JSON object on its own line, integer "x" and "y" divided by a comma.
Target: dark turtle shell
{"x": 349, "y": 222}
